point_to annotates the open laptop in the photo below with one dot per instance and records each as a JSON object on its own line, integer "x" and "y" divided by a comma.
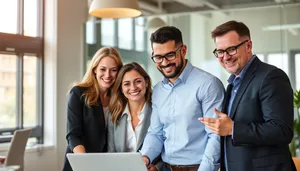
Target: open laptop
{"x": 106, "y": 162}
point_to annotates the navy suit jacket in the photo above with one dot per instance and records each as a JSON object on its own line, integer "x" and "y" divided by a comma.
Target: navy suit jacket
{"x": 263, "y": 116}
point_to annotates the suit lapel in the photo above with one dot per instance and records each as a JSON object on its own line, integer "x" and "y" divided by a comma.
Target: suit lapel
{"x": 145, "y": 126}
{"x": 120, "y": 133}
{"x": 249, "y": 75}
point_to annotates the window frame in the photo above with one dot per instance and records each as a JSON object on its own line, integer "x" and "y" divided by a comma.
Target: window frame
{"x": 20, "y": 45}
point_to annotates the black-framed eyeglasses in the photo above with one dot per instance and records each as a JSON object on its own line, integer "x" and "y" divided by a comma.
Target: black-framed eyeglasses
{"x": 169, "y": 56}
{"x": 232, "y": 50}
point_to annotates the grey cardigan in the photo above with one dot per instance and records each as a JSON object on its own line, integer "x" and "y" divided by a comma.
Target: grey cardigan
{"x": 117, "y": 132}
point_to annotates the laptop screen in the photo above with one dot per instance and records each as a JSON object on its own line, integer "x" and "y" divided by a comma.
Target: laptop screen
{"x": 106, "y": 162}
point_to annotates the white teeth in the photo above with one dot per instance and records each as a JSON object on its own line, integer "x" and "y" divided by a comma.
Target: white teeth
{"x": 107, "y": 81}
{"x": 134, "y": 93}
{"x": 229, "y": 62}
{"x": 167, "y": 69}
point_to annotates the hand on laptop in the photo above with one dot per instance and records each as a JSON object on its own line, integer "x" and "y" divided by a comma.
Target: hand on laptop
{"x": 150, "y": 167}
{"x": 146, "y": 160}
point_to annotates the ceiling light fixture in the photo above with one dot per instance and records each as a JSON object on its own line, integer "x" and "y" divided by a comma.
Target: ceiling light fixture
{"x": 155, "y": 23}
{"x": 114, "y": 8}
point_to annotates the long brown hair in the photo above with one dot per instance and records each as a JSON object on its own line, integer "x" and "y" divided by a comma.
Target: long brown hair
{"x": 118, "y": 101}
{"x": 89, "y": 80}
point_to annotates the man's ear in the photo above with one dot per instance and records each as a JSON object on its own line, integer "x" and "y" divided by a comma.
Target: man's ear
{"x": 184, "y": 50}
{"x": 249, "y": 45}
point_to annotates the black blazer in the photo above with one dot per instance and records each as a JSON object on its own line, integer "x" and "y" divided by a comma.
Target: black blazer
{"x": 85, "y": 125}
{"x": 263, "y": 116}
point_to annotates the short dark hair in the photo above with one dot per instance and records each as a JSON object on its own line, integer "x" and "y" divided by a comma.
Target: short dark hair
{"x": 165, "y": 34}
{"x": 240, "y": 28}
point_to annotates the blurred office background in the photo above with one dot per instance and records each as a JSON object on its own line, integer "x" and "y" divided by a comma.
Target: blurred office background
{"x": 46, "y": 45}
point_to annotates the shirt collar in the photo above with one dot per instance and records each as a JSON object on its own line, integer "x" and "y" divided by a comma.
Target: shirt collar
{"x": 242, "y": 73}
{"x": 184, "y": 74}
{"x": 127, "y": 112}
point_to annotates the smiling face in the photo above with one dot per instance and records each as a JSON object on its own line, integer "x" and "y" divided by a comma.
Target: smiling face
{"x": 106, "y": 72}
{"x": 235, "y": 63}
{"x": 134, "y": 86}
{"x": 170, "y": 69}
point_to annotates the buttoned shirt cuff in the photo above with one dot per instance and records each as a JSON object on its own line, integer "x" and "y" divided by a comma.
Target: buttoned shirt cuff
{"x": 148, "y": 154}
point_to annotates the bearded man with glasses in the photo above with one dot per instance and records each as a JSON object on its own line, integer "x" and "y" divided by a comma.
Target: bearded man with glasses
{"x": 256, "y": 121}
{"x": 184, "y": 94}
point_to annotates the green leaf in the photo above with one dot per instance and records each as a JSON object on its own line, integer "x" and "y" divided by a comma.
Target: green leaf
{"x": 297, "y": 99}
{"x": 295, "y": 144}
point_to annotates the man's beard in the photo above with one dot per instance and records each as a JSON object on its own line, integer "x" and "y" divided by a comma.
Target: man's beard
{"x": 176, "y": 72}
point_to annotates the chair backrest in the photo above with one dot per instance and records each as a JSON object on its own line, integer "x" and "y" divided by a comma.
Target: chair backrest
{"x": 297, "y": 162}
{"x": 15, "y": 155}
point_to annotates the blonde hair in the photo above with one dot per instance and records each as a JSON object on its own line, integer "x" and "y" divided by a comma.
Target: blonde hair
{"x": 118, "y": 101}
{"x": 89, "y": 80}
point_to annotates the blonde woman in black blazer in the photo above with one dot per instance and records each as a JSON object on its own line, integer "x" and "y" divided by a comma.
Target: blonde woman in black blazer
{"x": 130, "y": 110}
{"x": 88, "y": 101}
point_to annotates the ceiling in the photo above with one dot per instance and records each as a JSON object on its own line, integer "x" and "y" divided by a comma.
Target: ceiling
{"x": 155, "y": 7}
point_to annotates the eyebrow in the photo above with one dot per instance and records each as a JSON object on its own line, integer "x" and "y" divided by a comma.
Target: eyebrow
{"x": 226, "y": 48}
{"x": 133, "y": 80}
{"x": 108, "y": 68}
{"x": 165, "y": 53}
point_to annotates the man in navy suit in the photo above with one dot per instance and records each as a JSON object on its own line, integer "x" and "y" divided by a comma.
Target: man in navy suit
{"x": 256, "y": 122}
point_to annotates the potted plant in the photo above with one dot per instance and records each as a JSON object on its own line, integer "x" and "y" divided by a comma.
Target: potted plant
{"x": 295, "y": 144}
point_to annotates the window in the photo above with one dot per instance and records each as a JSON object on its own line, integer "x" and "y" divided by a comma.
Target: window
{"x": 8, "y": 98}
{"x": 9, "y": 16}
{"x": 31, "y": 18}
{"x": 125, "y": 33}
{"x": 297, "y": 64}
{"x": 139, "y": 34}
{"x": 261, "y": 57}
{"x": 21, "y": 50}
{"x": 108, "y": 32}
{"x": 279, "y": 60}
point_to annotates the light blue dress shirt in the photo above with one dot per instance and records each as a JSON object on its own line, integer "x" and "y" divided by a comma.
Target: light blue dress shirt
{"x": 175, "y": 130}
{"x": 236, "y": 82}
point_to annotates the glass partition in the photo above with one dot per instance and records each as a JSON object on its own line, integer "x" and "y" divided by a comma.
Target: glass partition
{"x": 274, "y": 32}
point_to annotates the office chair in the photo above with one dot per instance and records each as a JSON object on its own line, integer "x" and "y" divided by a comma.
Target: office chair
{"x": 297, "y": 162}
{"x": 15, "y": 154}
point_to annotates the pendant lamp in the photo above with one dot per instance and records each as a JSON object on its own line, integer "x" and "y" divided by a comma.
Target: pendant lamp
{"x": 114, "y": 8}
{"x": 155, "y": 23}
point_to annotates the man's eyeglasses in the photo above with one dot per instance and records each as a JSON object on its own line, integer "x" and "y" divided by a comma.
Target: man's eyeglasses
{"x": 169, "y": 56}
{"x": 232, "y": 50}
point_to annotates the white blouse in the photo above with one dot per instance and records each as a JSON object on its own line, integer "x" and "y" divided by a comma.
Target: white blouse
{"x": 132, "y": 136}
